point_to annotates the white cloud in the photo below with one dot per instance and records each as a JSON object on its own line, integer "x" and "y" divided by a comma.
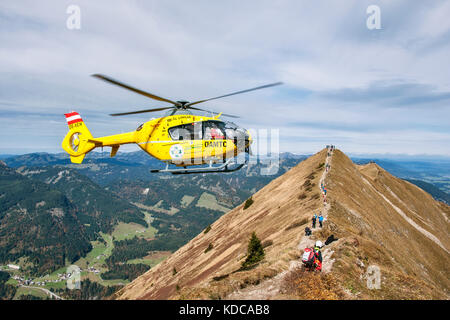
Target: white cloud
{"x": 323, "y": 52}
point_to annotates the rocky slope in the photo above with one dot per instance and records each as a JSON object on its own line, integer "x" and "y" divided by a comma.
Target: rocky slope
{"x": 381, "y": 221}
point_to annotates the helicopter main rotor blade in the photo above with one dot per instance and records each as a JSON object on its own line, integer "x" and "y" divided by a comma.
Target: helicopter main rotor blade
{"x": 123, "y": 85}
{"x": 223, "y": 114}
{"x": 238, "y": 92}
{"x": 140, "y": 111}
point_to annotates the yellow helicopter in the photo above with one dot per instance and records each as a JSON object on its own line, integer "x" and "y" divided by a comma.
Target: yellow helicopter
{"x": 179, "y": 138}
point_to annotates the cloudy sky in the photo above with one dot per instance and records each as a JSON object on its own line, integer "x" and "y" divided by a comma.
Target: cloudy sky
{"x": 366, "y": 91}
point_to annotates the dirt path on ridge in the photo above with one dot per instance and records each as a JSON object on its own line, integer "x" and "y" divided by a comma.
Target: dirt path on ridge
{"x": 271, "y": 287}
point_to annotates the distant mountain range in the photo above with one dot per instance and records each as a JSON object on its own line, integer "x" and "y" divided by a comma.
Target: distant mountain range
{"x": 432, "y": 175}
{"x": 133, "y": 166}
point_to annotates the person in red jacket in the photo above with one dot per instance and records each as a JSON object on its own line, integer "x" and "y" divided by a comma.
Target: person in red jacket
{"x": 318, "y": 255}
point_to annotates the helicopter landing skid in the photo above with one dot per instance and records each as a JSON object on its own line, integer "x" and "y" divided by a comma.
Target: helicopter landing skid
{"x": 210, "y": 169}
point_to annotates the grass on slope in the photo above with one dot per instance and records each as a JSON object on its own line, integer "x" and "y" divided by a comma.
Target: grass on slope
{"x": 30, "y": 291}
{"x": 129, "y": 230}
{"x": 209, "y": 201}
{"x": 152, "y": 259}
{"x": 99, "y": 253}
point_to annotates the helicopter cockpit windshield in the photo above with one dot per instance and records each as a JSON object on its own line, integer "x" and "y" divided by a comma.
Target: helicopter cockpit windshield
{"x": 215, "y": 129}
{"x": 231, "y": 130}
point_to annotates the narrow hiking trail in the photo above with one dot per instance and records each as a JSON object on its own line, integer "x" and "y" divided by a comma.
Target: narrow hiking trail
{"x": 270, "y": 288}
{"x": 327, "y": 253}
{"x": 306, "y": 242}
{"x": 326, "y": 205}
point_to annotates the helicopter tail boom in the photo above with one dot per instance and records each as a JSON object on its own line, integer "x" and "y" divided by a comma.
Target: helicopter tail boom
{"x": 79, "y": 141}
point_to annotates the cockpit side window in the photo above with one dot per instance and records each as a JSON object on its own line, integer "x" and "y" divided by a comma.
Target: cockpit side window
{"x": 190, "y": 131}
{"x": 213, "y": 130}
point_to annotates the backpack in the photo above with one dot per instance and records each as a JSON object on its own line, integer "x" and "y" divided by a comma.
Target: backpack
{"x": 308, "y": 257}
{"x": 330, "y": 239}
{"x": 307, "y": 231}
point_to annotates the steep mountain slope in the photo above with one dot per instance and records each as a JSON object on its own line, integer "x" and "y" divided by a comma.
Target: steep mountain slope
{"x": 380, "y": 221}
{"x": 396, "y": 224}
{"x": 37, "y": 222}
{"x": 275, "y": 215}
{"x": 437, "y": 193}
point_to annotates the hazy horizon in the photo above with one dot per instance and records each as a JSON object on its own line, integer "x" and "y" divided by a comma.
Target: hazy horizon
{"x": 381, "y": 156}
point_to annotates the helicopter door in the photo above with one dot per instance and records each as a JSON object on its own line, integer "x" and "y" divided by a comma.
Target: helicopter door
{"x": 215, "y": 143}
{"x": 214, "y": 130}
{"x": 189, "y": 135}
{"x": 196, "y": 143}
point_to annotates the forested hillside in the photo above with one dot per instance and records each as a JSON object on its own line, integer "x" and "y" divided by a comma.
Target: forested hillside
{"x": 39, "y": 224}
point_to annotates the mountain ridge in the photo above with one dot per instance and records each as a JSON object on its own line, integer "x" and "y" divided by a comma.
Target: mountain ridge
{"x": 379, "y": 219}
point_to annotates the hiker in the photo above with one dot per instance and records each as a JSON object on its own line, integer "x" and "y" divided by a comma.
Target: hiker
{"x": 312, "y": 257}
{"x": 314, "y": 220}
{"x": 307, "y": 231}
{"x": 318, "y": 255}
{"x": 320, "y": 220}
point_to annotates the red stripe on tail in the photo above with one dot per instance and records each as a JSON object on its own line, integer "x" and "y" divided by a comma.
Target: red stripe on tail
{"x": 73, "y": 113}
{"x": 75, "y": 121}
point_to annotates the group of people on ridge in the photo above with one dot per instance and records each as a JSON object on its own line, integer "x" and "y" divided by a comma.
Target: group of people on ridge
{"x": 315, "y": 218}
{"x": 324, "y": 192}
{"x": 312, "y": 257}
{"x": 330, "y": 149}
